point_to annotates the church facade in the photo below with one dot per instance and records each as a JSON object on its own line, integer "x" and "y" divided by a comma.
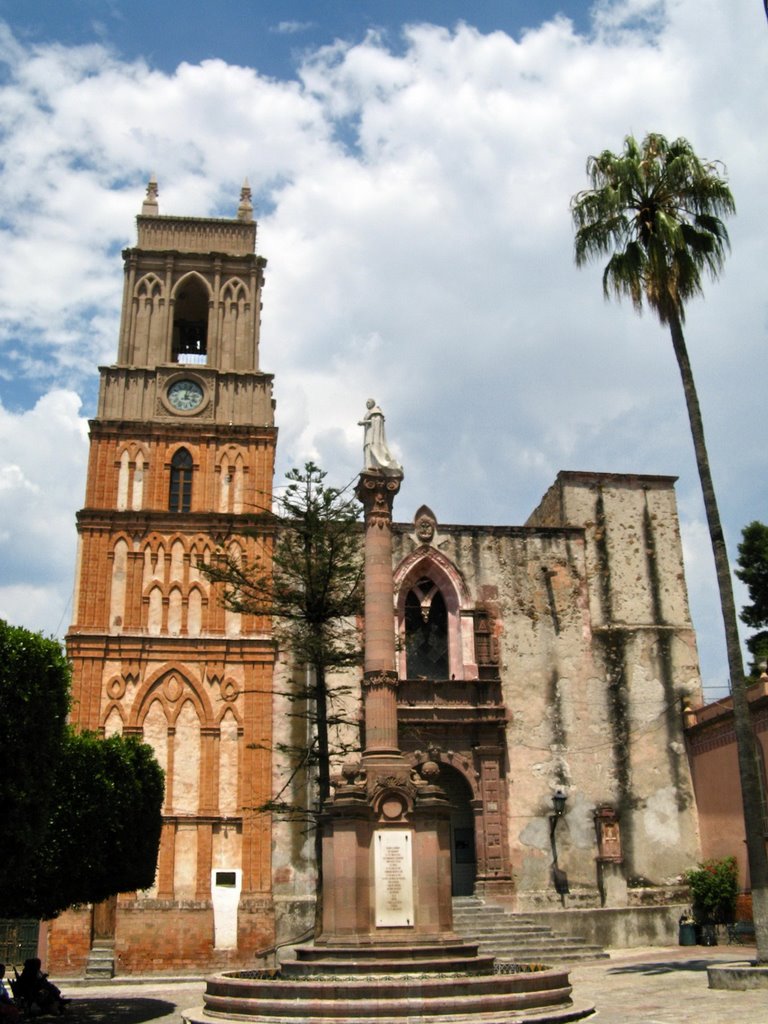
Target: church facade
{"x": 569, "y": 652}
{"x": 544, "y": 666}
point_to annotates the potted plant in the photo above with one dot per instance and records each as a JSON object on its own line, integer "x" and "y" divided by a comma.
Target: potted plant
{"x": 714, "y": 887}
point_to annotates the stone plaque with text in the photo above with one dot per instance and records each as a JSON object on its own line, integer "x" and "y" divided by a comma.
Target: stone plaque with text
{"x": 393, "y": 872}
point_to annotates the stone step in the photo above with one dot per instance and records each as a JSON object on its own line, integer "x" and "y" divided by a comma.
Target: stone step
{"x": 517, "y": 939}
{"x": 494, "y": 916}
{"x": 479, "y": 923}
{"x": 509, "y": 925}
{"x": 101, "y": 961}
{"x": 554, "y": 941}
{"x": 549, "y": 957}
{"x": 107, "y": 971}
{"x": 553, "y": 945}
{"x": 539, "y": 995}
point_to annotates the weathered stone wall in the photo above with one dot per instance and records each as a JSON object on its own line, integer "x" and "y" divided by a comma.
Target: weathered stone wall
{"x": 596, "y": 652}
{"x": 645, "y": 654}
{"x": 152, "y": 936}
{"x": 294, "y": 876}
{"x": 155, "y": 936}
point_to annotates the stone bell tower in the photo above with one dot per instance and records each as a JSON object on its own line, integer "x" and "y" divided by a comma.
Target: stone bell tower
{"x": 181, "y": 462}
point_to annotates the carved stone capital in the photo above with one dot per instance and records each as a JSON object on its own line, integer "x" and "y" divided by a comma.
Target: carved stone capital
{"x": 377, "y": 491}
{"x": 379, "y": 680}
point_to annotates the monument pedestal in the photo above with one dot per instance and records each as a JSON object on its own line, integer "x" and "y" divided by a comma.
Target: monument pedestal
{"x": 386, "y": 859}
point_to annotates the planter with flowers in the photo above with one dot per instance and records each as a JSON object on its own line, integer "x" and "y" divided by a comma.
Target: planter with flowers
{"x": 714, "y": 887}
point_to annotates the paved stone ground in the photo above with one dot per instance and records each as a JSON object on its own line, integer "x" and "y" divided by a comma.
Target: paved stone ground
{"x": 636, "y": 986}
{"x": 137, "y": 1002}
{"x": 667, "y": 986}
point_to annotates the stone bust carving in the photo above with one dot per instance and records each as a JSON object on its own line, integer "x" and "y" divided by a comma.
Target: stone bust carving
{"x": 425, "y": 530}
{"x": 424, "y": 525}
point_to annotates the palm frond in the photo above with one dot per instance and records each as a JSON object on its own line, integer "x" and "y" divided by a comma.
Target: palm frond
{"x": 655, "y": 209}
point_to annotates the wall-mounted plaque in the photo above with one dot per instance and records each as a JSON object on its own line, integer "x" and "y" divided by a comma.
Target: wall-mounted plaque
{"x": 393, "y": 874}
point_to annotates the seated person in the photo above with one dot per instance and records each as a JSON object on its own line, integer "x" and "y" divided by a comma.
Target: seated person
{"x": 34, "y": 987}
{"x": 9, "y": 1013}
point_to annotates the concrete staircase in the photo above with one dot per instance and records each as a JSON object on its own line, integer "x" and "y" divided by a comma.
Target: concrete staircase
{"x": 101, "y": 960}
{"x": 514, "y": 937}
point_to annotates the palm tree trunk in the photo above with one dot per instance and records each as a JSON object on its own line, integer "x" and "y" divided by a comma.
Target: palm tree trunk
{"x": 745, "y": 738}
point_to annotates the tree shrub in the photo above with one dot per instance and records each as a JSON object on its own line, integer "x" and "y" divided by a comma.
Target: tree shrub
{"x": 714, "y": 887}
{"x": 81, "y": 815}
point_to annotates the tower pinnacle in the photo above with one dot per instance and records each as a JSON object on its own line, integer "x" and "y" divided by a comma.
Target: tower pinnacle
{"x": 245, "y": 209}
{"x": 150, "y": 207}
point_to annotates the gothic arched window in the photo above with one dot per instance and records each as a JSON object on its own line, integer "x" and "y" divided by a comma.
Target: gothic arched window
{"x": 180, "y": 498}
{"x": 190, "y": 322}
{"x": 426, "y": 631}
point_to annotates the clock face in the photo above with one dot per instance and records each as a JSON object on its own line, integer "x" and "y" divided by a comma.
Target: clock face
{"x": 185, "y": 395}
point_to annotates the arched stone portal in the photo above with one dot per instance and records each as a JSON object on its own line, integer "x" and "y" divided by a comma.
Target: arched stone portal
{"x": 463, "y": 846}
{"x": 450, "y": 708}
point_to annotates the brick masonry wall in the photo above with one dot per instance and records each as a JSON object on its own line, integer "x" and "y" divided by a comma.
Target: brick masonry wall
{"x": 179, "y": 937}
{"x": 69, "y": 942}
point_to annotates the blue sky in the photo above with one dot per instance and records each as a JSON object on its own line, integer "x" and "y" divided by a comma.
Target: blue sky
{"x": 412, "y": 165}
{"x": 268, "y": 35}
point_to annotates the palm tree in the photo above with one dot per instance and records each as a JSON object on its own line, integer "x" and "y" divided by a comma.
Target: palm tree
{"x": 656, "y": 209}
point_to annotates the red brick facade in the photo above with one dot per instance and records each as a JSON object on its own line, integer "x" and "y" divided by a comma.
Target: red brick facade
{"x": 181, "y": 462}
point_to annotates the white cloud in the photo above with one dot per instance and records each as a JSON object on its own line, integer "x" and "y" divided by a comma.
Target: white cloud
{"x": 413, "y": 205}
{"x": 43, "y": 454}
{"x": 619, "y": 18}
{"x": 290, "y": 28}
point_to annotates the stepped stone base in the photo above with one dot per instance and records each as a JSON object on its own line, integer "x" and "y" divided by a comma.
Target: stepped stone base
{"x": 442, "y": 982}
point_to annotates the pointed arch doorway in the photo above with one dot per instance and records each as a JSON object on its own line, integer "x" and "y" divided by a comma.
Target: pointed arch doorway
{"x": 463, "y": 847}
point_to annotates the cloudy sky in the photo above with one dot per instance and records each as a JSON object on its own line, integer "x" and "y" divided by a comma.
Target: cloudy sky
{"x": 412, "y": 165}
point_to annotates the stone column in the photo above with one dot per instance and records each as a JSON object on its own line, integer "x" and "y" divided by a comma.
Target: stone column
{"x": 376, "y": 490}
{"x": 386, "y": 841}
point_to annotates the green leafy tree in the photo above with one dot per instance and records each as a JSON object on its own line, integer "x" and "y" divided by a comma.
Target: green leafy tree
{"x": 104, "y": 828}
{"x": 81, "y": 815}
{"x": 308, "y": 580}
{"x": 655, "y": 210}
{"x": 34, "y": 702}
{"x": 753, "y": 570}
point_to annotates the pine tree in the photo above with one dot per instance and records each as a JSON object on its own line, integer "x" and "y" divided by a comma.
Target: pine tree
{"x": 753, "y": 570}
{"x": 308, "y": 579}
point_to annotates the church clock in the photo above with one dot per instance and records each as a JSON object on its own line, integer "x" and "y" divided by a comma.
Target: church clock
{"x": 185, "y": 395}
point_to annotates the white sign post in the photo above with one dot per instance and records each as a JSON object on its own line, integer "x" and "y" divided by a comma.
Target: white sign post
{"x": 393, "y": 874}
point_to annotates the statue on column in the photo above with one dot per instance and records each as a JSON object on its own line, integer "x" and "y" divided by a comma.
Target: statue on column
{"x": 376, "y": 453}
